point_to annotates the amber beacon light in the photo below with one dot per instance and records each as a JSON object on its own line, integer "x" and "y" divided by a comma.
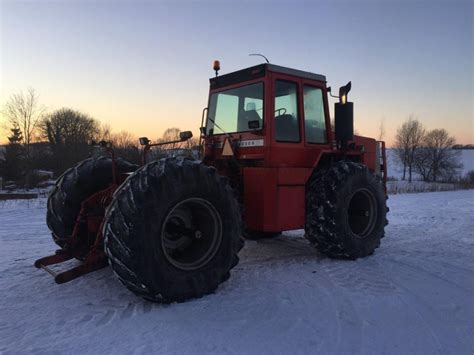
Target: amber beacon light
{"x": 216, "y": 66}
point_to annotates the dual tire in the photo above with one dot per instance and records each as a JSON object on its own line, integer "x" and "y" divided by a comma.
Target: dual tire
{"x": 345, "y": 211}
{"x": 173, "y": 231}
{"x": 73, "y": 187}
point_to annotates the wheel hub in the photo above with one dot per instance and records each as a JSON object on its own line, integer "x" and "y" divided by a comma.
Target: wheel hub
{"x": 191, "y": 234}
{"x": 362, "y": 212}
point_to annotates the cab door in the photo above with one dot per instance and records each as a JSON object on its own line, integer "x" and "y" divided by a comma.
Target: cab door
{"x": 287, "y": 156}
{"x": 287, "y": 143}
{"x": 316, "y": 121}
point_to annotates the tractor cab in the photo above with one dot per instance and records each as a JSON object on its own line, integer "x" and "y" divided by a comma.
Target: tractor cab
{"x": 268, "y": 129}
{"x": 266, "y": 110}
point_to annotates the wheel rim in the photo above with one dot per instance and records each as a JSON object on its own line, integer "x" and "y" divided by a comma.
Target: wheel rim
{"x": 191, "y": 234}
{"x": 362, "y": 213}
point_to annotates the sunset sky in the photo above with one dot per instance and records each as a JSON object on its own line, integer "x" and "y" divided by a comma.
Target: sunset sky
{"x": 144, "y": 66}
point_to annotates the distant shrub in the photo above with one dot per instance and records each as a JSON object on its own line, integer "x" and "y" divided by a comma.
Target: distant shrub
{"x": 470, "y": 176}
{"x": 467, "y": 181}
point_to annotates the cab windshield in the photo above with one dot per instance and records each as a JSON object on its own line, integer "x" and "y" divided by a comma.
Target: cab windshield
{"x": 236, "y": 110}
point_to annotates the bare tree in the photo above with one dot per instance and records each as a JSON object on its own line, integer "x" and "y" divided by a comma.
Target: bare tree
{"x": 171, "y": 134}
{"x": 104, "y": 134}
{"x": 69, "y": 134}
{"x": 123, "y": 139}
{"x": 126, "y": 146}
{"x": 382, "y": 129}
{"x": 192, "y": 143}
{"x": 402, "y": 147}
{"x": 408, "y": 139}
{"x": 436, "y": 159}
{"x": 422, "y": 163}
{"x": 24, "y": 112}
{"x": 67, "y": 126}
{"x": 188, "y": 148}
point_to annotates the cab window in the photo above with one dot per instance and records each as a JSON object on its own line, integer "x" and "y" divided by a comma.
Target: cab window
{"x": 236, "y": 110}
{"x": 314, "y": 119}
{"x": 286, "y": 112}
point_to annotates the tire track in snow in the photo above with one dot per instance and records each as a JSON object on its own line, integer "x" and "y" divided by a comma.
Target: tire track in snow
{"x": 428, "y": 325}
{"x": 360, "y": 275}
{"x": 368, "y": 277}
{"x": 432, "y": 274}
{"x": 437, "y": 261}
{"x": 279, "y": 249}
{"x": 412, "y": 301}
{"x": 349, "y": 332}
{"x": 106, "y": 318}
{"x": 132, "y": 309}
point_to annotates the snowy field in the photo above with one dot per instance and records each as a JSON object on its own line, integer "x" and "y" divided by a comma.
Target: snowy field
{"x": 395, "y": 170}
{"x": 415, "y": 295}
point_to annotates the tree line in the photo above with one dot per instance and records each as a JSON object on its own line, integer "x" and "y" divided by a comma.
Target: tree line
{"x": 428, "y": 153}
{"x": 55, "y": 141}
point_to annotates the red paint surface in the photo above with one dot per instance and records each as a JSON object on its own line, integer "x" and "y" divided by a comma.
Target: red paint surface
{"x": 273, "y": 193}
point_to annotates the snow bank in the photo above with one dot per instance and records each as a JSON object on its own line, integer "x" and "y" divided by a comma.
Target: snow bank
{"x": 401, "y": 187}
{"x": 414, "y": 295}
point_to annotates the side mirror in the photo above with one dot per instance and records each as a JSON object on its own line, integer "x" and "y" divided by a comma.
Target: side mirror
{"x": 184, "y": 136}
{"x": 144, "y": 141}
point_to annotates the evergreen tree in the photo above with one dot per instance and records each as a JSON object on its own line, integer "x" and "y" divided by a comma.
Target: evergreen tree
{"x": 11, "y": 168}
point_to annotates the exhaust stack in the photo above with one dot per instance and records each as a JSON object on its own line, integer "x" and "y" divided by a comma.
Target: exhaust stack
{"x": 344, "y": 118}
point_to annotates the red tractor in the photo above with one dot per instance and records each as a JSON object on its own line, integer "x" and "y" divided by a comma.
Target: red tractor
{"x": 172, "y": 228}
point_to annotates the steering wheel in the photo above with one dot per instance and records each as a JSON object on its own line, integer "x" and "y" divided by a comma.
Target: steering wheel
{"x": 280, "y": 109}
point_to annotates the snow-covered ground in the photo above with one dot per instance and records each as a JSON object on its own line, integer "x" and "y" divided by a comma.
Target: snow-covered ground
{"x": 414, "y": 295}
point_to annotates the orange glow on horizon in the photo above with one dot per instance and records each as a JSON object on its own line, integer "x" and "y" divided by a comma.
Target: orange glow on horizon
{"x": 150, "y": 125}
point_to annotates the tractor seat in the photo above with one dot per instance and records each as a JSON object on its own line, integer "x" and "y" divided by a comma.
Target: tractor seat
{"x": 247, "y": 116}
{"x": 287, "y": 128}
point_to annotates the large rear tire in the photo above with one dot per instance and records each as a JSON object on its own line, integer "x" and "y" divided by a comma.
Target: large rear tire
{"x": 73, "y": 187}
{"x": 345, "y": 211}
{"x": 173, "y": 231}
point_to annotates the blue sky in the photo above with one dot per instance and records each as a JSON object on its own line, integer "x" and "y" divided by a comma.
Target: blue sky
{"x": 144, "y": 66}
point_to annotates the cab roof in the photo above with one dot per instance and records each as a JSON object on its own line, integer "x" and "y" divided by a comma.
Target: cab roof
{"x": 258, "y": 71}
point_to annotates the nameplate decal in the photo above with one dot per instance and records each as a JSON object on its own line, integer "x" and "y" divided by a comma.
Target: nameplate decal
{"x": 251, "y": 143}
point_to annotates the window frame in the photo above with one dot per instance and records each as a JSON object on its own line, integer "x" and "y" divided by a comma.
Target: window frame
{"x": 324, "y": 113}
{"x": 298, "y": 109}
{"x": 233, "y": 87}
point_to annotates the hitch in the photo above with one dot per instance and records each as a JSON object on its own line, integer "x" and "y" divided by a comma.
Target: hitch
{"x": 86, "y": 242}
{"x": 93, "y": 262}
